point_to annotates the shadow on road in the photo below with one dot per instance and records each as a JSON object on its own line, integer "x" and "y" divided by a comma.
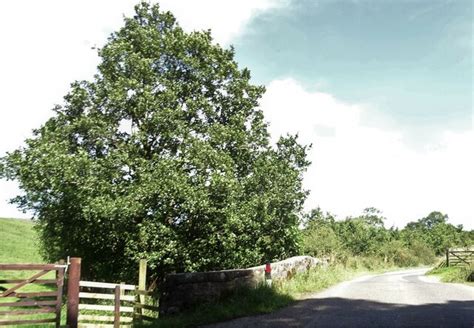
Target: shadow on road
{"x": 341, "y": 312}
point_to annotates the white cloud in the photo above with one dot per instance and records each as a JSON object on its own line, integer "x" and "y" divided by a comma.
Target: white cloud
{"x": 357, "y": 166}
{"x": 46, "y": 45}
{"x": 227, "y": 19}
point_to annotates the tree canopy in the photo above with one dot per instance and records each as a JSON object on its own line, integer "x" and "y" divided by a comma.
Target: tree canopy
{"x": 365, "y": 235}
{"x": 163, "y": 155}
{"x": 435, "y": 231}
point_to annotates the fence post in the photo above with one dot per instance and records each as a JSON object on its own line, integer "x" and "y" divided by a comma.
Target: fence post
{"x": 59, "y": 297}
{"x": 447, "y": 257}
{"x": 74, "y": 277}
{"x": 122, "y": 291}
{"x": 142, "y": 283}
{"x": 117, "y": 307}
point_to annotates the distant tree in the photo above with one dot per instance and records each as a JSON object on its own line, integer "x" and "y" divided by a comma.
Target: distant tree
{"x": 164, "y": 155}
{"x": 468, "y": 238}
{"x": 373, "y": 217}
{"x": 356, "y": 235}
{"x": 397, "y": 252}
{"x": 435, "y": 231}
{"x": 318, "y": 217}
{"x": 319, "y": 237}
{"x": 433, "y": 219}
{"x": 321, "y": 241}
{"x": 364, "y": 234}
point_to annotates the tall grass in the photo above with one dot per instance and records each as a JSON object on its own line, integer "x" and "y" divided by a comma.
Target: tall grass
{"x": 455, "y": 274}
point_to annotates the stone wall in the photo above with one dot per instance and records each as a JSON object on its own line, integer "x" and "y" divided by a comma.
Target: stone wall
{"x": 184, "y": 290}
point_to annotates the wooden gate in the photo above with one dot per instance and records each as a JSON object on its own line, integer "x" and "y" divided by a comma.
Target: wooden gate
{"x": 25, "y": 297}
{"x": 459, "y": 257}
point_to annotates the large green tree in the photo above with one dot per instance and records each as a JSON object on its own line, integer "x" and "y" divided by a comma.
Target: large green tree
{"x": 163, "y": 155}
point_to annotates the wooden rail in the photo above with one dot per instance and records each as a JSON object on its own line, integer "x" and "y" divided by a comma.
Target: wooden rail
{"x": 94, "y": 284}
{"x": 105, "y": 304}
{"x": 114, "y": 300}
{"x": 40, "y": 302}
{"x": 459, "y": 257}
{"x": 134, "y": 308}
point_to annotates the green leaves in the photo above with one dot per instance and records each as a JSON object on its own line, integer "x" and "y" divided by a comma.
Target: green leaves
{"x": 435, "y": 231}
{"x": 366, "y": 235}
{"x": 164, "y": 155}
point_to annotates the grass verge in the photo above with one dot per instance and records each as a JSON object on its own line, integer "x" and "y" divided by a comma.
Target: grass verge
{"x": 243, "y": 302}
{"x": 455, "y": 274}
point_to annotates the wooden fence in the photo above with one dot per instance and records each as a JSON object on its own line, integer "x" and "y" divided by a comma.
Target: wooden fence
{"x": 456, "y": 257}
{"x": 102, "y": 304}
{"x": 87, "y": 298}
{"x": 118, "y": 296}
{"x": 40, "y": 302}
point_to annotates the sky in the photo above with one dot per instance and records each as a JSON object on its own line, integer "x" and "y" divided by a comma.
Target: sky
{"x": 381, "y": 89}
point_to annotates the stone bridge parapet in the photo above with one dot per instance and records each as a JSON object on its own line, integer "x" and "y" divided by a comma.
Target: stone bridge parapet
{"x": 184, "y": 290}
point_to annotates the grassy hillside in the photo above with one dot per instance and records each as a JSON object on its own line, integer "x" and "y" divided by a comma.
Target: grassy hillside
{"x": 19, "y": 243}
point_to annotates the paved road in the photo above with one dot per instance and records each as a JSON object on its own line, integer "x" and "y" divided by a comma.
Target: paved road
{"x": 396, "y": 299}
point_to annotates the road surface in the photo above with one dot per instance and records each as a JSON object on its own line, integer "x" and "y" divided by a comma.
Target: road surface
{"x": 395, "y": 299}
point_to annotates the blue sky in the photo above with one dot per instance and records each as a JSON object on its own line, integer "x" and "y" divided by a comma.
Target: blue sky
{"x": 411, "y": 59}
{"x": 381, "y": 89}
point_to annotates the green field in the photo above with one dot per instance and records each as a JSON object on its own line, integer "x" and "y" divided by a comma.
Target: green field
{"x": 19, "y": 243}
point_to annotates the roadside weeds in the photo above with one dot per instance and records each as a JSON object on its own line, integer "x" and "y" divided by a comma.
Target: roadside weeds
{"x": 455, "y": 274}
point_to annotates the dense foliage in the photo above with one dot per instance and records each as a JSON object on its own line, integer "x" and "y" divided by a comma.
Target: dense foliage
{"x": 437, "y": 233}
{"x": 365, "y": 236}
{"x": 164, "y": 155}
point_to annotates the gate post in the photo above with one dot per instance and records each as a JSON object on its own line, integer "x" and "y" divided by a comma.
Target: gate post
{"x": 59, "y": 297}
{"x": 447, "y": 257}
{"x": 74, "y": 277}
{"x": 142, "y": 283}
{"x": 117, "y": 307}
